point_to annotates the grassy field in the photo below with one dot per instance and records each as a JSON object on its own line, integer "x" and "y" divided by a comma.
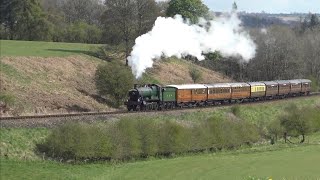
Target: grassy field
{"x": 44, "y": 49}
{"x": 301, "y": 162}
{"x": 19, "y": 143}
{"x": 280, "y": 161}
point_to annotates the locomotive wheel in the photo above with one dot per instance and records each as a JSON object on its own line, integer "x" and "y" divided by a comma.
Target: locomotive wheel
{"x": 156, "y": 107}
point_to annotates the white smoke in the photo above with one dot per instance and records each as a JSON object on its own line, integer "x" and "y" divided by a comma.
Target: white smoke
{"x": 176, "y": 37}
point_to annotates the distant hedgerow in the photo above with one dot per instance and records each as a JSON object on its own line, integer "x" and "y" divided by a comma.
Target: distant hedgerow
{"x": 140, "y": 138}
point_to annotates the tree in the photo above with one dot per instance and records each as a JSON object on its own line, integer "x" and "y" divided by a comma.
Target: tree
{"x": 147, "y": 12}
{"x": 195, "y": 74}
{"x": 278, "y": 55}
{"x": 127, "y": 19}
{"x": 113, "y": 80}
{"x": 314, "y": 21}
{"x": 295, "y": 123}
{"x": 120, "y": 15}
{"x": 188, "y": 9}
{"x": 163, "y": 6}
{"x": 234, "y": 7}
{"x": 88, "y": 11}
{"x": 25, "y": 20}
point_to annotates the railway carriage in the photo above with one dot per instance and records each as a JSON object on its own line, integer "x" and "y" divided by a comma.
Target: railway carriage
{"x": 240, "y": 91}
{"x": 272, "y": 89}
{"x": 219, "y": 92}
{"x": 284, "y": 88}
{"x": 305, "y": 86}
{"x": 295, "y": 87}
{"x": 257, "y": 90}
{"x": 190, "y": 94}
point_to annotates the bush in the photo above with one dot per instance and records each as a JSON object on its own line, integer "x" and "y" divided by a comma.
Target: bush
{"x": 315, "y": 87}
{"x": 149, "y": 137}
{"x": 172, "y": 138}
{"x": 296, "y": 122}
{"x": 126, "y": 140}
{"x": 114, "y": 80}
{"x": 195, "y": 74}
{"x": 77, "y": 141}
{"x": 274, "y": 130}
{"x": 131, "y": 139}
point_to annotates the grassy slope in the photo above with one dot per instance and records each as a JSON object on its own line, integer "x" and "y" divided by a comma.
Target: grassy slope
{"x": 49, "y": 77}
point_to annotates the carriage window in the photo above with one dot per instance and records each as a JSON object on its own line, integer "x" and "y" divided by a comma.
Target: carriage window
{"x": 200, "y": 91}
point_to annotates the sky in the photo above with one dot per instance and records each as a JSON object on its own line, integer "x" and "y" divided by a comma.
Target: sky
{"x": 269, "y": 6}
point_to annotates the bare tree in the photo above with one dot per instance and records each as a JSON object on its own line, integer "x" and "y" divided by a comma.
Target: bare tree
{"x": 120, "y": 14}
{"x": 88, "y": 11}
{"x": 147, "y": 12}
{"x": 129, "y": 19}
{"x": 278, "y": 55}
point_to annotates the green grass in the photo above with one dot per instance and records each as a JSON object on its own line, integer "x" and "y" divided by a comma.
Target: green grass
{"x": 280, "y": 161}
{"x": 270, "y": 111}
{"x": 44, "y": 49}
{"x": 13, "y": 73}
{"x": 20, "y": 143}
{"x": 301, "y": 162}
{"x": 255, "y": 113}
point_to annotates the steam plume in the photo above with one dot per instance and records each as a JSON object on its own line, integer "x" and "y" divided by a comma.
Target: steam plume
{"x": 176, "y": 37}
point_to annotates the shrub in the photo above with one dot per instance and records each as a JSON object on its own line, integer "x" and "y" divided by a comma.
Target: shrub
{"x": 126, "y": 139}
{"x": 77, "y": 141}
{"x": 274, "y": 130}
{"x": 296, "y": 122}
{"x": 132, "y": 138}
{"x": 114, "y": 80}
{"x": 172, "y": 138}
{"x": 149, "y": 137}
{"x": 195, "y": 74}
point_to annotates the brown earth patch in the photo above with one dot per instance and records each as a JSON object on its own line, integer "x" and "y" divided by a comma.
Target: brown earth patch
{"x": 53, "y": 84}
{"x": 177, "y": 72}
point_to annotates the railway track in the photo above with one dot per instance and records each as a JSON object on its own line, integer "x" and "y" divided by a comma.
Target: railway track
{"x": 92, "y": 116}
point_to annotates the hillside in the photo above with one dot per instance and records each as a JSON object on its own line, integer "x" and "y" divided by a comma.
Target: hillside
{"x": 46, "y": 77}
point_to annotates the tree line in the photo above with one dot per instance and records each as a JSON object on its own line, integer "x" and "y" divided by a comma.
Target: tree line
{"x": 83, "y": 21}
{"x": 88, "y": 21}
{"x": 282, "y": 52}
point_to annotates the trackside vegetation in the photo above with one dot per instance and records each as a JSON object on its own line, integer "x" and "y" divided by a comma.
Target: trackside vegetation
{"x": 135, "y": 139}
{"x": 114, "y": 80}
{"x": 146, "y": 146}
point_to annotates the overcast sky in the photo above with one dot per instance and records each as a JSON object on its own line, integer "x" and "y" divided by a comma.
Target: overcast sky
{"x": 270, "y": 6}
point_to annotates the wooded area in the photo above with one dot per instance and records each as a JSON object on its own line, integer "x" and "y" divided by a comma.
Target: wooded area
{"x": 283, "y": 52}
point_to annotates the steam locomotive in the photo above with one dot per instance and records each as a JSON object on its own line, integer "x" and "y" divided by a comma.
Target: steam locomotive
{"x": 155, "y": 97}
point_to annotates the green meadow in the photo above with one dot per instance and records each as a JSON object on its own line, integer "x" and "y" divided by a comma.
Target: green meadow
{"x": 295, "y": 162}
{"x": 44, "y": 49}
